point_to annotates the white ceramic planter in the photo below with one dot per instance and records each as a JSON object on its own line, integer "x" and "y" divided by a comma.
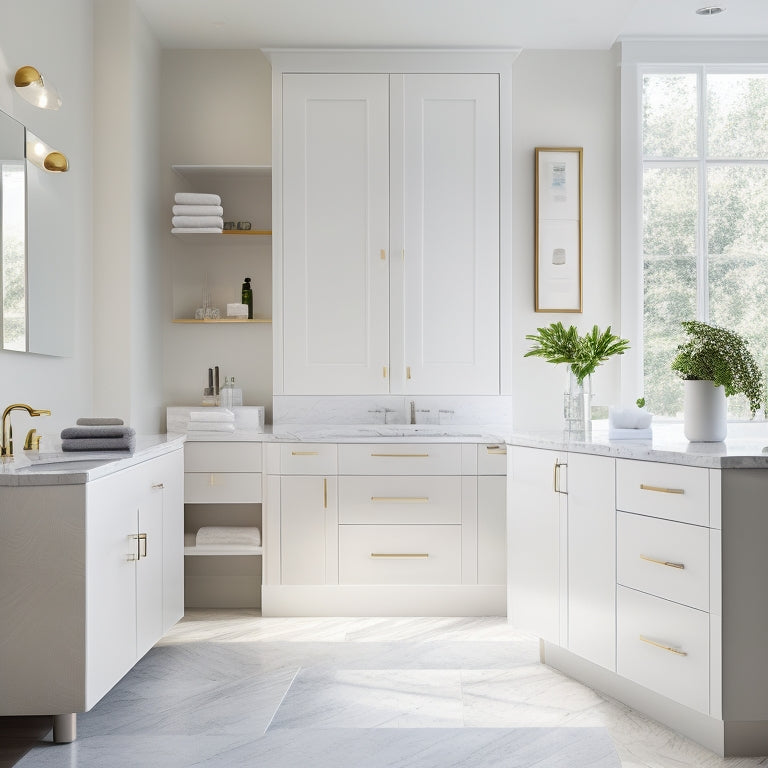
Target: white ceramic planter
{"x": 705, "y": 412}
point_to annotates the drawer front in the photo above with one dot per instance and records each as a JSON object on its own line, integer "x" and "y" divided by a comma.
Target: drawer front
{"x": 407, "y": 500}
{"x": 400, "y": 459}
{"x": 308, "y": 459}
{"x": 492, "y": 459}
{"x": 663, "y": 646}
{"x": 664, "y": 558}
{"x": 222, "y": 457}
{"x": 222, "y": 487}
{"x": 671, "y": 491}
{"x": 399, "y": 554}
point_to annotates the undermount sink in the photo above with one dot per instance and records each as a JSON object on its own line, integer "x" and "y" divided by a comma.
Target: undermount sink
{"x": 383, "y": 431}
{"x": 64, "y": 465}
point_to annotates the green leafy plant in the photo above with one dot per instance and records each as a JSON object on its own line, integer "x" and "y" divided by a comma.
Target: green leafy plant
{"x": 640, "y": 402}
{"x": 557, "y": 344}
{"x": 721, "y": 356}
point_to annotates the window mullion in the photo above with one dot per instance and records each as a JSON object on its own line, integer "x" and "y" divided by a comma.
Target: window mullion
{"x": 702, "y": 265}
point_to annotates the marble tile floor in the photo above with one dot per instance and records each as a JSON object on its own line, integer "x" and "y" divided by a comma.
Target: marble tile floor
{"x": 225, "y": 685}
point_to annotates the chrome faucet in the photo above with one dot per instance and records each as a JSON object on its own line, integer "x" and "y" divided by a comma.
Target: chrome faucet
{"x": 6, "y": 446}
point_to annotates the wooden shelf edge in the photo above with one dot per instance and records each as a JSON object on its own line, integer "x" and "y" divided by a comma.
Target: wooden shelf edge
{"x": 191, "y": 320}
{"x": 225, "y": 551}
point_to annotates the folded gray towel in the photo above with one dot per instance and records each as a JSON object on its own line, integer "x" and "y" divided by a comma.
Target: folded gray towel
{"x": 98, "y": 431}
{"x": 126, "y": 444}
{"x": 94, "y": 421}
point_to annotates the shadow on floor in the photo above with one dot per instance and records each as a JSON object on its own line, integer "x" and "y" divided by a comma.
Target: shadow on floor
{"x": 19, "y": 734}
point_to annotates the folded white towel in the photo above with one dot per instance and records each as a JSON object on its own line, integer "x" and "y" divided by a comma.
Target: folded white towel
{"x": 197, "y": 221}
{"x": 631, "y": 417}
{"x": 198, "y": 210}
{"x": 212, "y": 535}
{"x": 196, "y": 198}
{"x": 210, "y": 426}
{"x": 215, "y": 414}
{"x": 196, "y": 230}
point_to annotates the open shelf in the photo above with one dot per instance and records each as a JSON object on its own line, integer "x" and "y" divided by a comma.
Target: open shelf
{"x": 228, "y": 236}
{"x": 197, "y": 171}
{"x": 223, "y": 550}
{"x": 223, "y": 320}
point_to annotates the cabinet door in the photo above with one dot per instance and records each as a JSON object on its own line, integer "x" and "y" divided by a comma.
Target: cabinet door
{"x": 592, "y": 558}
{"x": 149, "y": 566}
{"x": 450, "y": 211}
{"x": 491, "y": 530}
{"x": 335, "y": 234}
{"x": 535, "y": 516}
{"x": 112, "y": 510}
{"x": 308, "y": 530}
{"x": 169, "y": 473}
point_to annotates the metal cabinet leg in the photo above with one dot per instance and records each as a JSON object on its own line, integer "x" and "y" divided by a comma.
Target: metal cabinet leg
{"x": 64, "y": 728}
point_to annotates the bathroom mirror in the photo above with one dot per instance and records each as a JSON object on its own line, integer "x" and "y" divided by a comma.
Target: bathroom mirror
{"x": 35, "y": 263}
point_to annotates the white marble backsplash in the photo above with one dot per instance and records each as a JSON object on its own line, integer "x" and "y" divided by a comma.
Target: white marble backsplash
{"x": 392, "y": 409}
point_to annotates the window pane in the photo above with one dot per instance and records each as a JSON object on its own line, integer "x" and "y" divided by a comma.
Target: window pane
{"x": 669, "y": 269}
{"x": 737, "y": 247}
{"x": 669, "y": 115}
{"x": 737, "y": 116}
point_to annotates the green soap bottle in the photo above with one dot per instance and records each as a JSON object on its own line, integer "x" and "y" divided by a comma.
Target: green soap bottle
{"x": 248, "y": 297}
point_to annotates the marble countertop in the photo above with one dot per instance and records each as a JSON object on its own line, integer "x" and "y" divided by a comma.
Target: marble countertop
{"x": 56, "y": 467}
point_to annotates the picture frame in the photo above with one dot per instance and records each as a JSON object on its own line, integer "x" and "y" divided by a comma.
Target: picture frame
{"x": 558, "y": 229}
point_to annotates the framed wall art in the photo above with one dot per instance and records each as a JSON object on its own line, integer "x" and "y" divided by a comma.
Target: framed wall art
{"x": 557, "y": 238}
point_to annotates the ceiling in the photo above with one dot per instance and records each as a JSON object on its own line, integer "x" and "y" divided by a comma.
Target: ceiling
{"x": 527, "y": 24}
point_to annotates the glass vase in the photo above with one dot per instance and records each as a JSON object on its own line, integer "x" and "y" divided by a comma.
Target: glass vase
{"x": 577, "y": 406}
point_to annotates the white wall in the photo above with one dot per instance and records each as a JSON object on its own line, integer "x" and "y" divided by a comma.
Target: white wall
{"x": 128, "y": 269}
{"x": 565, "y": 99}
{"x": 56, "y": 38}
{"x": 216, "y": 110}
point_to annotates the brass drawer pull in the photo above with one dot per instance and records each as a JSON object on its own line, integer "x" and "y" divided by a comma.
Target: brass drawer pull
{"x": 401, "y": 499}
{"x": 681, "y": 566}
{"x": 400, "y": 554}
{"x": 658, "y": 489}
{"x": 663, "y": 647}
{"x": 305, "y": 453}
{"x": 496, "y": 450}
{"x": 158, "y": 486}
{"x": 401, "y": 455}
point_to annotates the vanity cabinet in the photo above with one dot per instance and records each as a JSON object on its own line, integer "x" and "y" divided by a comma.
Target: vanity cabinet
{"x": 389, "y": 243}
{"x": 383, "y": 529}
{"x": 92, "y": 577}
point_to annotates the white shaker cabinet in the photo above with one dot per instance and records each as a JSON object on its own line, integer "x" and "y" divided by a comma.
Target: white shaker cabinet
{"x": 389, "y": 241}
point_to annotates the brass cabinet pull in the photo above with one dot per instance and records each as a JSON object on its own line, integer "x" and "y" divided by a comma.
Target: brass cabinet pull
{"x": 659, "y": 489}
{"x": 383, "y": 254}
{"x": 662, "y": 646}
{"x": 401, "y": 499}
{"x": 400, "y": 554}
{"x": 141, "y": 546}
{"x": 681, "y": 566}
{"x": 401, "y": 455}
{"x": 407, "y": 371}
{"x": 212, "y": 480}
{"x": 158, "y": 486}
{"x": 496, "y": 450}
{"x": 305, "y": 453}
{"x": 325, "y": 493}
{"x": 556, "y": 475}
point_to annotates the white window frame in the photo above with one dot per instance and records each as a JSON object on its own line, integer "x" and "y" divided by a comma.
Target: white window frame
{"x": 638, "y": 58}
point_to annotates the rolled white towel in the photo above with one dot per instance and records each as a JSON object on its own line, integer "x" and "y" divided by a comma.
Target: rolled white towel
{"x": 217, "y": 535}
{"x": 197, "y": 230}
{"x": 198, "y": 210}
{"x": 196, "y": 198}
{"x": 210, "y": 426}
{"x": 197, "y": 221}
{"x": 215, "y": 414}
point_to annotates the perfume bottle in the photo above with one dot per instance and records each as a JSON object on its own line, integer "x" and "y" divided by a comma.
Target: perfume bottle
{"x": 248, "y": 297}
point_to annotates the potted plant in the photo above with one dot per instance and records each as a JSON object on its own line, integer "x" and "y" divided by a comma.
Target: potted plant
{"x": 715, "y": 363}
{"x": 582, "y": 354}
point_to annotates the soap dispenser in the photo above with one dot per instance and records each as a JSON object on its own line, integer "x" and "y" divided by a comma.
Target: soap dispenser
{"x": 248, "y": 297}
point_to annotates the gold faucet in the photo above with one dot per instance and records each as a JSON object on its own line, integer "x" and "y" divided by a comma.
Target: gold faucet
{"x": 6, "y": 446}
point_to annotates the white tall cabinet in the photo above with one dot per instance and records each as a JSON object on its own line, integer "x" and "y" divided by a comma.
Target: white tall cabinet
{"x": 387, "y": 226}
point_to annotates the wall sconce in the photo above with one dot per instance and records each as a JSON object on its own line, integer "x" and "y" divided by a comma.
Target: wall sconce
{"x": 32, "y": 88}
{"x": 44, "y": 157}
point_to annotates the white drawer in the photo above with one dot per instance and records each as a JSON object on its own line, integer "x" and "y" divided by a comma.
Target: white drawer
{"x": 400, "y": 459}
{"x": 222, "y": 457}
{"x": 308, "y": 459}
{"x": 399, "y": 554}
{"x": 663, "y": 646}
{"x": 222, "y": 487}
{"x": 664, "y": 558}
{"x": 407, "y": 500}
{"x": 492, "y": 459}
{"x": 671, "y": 491}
